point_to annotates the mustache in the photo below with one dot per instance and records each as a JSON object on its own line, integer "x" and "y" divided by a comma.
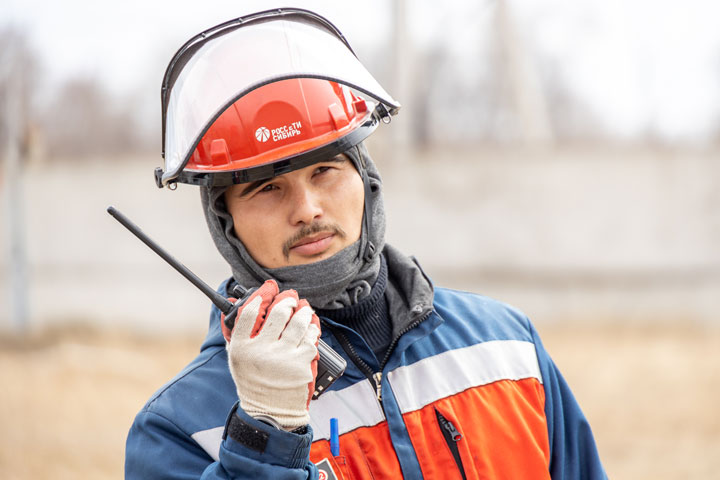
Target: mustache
{"x": 312, "y": 229}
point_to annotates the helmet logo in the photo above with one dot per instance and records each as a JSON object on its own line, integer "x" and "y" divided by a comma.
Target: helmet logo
{"x": 262, "y": 134}
{"x": 286, "y": 131}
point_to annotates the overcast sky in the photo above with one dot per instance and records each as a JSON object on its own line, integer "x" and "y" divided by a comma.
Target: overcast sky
{"x": 639, "y": 63}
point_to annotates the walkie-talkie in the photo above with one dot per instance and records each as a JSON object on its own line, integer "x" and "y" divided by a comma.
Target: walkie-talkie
{"x": 330, "y": 364}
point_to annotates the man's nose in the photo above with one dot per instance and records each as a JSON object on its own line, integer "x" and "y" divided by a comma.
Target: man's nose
{"x": 306, "y": 206}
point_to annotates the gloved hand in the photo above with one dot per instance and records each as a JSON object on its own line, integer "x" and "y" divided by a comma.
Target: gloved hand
{"x": 272, "y": 353}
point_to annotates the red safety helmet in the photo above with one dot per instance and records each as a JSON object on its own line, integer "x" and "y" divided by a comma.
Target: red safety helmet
{"x": 279, "y": 127}
{"x": 264, "y": 95}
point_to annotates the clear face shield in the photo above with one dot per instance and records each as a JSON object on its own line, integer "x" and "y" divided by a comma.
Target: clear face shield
{"x": 217, "y": 67}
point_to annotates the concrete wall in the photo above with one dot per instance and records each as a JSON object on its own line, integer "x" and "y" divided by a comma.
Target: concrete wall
{"x": 581, "y": 235}
{"x": 569, "y": 235}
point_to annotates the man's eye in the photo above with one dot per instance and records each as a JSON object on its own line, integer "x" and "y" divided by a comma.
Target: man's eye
{"x": 268, "y": 188}
{"x": 322, "y": 170}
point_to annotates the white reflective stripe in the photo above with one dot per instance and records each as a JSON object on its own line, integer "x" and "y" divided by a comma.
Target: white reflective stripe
{"x": 355, "y": 406}
{"x": 454, "y": 371}
{"x": 210, "y": 441}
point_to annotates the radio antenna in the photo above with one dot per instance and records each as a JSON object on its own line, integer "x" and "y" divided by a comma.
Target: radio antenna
{"x": 221, "y": 302}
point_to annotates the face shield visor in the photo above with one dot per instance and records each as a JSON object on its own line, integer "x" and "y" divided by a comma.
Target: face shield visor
{"x": 217, "y": 68}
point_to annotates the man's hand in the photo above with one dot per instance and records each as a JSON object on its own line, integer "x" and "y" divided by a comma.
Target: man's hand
{"x": 272, "y": 353}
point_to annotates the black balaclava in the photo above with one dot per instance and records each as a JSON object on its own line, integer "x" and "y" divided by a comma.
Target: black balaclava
{"x": 339, "y": 281}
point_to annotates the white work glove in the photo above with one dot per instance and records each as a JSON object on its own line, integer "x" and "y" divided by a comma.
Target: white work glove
{"x": 272, "y": 353}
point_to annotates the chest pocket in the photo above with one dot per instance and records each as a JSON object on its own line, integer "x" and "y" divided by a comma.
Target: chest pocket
{"x": 365, "y": 453}
{"x": 476, "y": 412}
{"x": 366, "y": 450}
{"x": 496, "y": 431}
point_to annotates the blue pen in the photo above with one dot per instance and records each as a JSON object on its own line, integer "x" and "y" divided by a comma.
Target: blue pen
{"x": 334, "y": 437}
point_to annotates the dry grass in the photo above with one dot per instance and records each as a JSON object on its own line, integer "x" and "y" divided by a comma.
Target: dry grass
{"x": 651, "y": 396}
{"x": 71, "y": 396}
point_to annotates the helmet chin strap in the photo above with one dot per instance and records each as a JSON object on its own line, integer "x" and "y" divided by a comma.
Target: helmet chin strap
{"x": 369, "y": 252}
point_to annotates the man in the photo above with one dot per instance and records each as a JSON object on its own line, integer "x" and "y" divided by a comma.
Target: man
{"x": 438, "y": 384}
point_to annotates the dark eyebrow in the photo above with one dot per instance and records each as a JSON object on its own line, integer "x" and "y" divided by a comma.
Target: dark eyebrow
{"x": 252, "y": 186}
{"x": 339, "y": 158}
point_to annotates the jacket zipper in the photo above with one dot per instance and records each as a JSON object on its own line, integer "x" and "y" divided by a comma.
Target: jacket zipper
{"x": 375, "y": 378}
{"x": 359, "y": 362}
{"x": 392, "y": 345}
{"x": 452, "y": 436}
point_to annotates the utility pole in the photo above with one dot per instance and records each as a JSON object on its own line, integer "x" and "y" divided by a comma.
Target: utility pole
{"x": 401, "y": 134}
{"x": 14, "y": 227}
{"x": 527, "y": 97}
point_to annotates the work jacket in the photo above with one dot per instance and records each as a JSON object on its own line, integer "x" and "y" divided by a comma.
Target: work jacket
{"x": 467, "y": 392}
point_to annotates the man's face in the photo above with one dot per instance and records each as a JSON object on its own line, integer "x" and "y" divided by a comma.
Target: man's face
{"x": 300, "y": 217}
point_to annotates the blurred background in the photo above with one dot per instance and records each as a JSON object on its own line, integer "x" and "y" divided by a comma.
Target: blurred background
{"x": 559, "y": 156}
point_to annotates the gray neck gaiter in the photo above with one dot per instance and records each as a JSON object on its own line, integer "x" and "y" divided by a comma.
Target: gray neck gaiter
{"x": 339, "y": 281}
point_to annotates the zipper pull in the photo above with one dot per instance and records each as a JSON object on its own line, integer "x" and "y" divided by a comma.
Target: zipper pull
{"x": 378, "y": 385}
{"x": 456, "y": 436}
